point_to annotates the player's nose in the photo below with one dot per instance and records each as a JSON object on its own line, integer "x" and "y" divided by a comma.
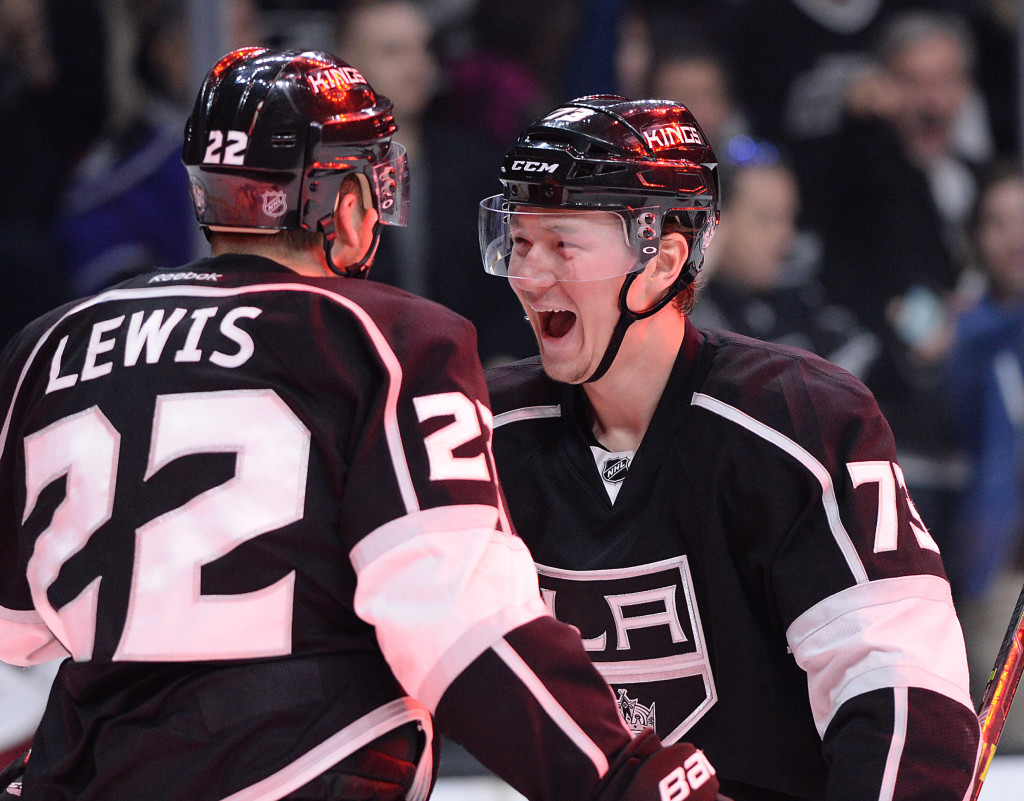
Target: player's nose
{"x": 535, "y": 269}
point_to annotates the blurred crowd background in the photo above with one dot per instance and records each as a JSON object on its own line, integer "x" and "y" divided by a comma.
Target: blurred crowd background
{"x": 873, "y": 199}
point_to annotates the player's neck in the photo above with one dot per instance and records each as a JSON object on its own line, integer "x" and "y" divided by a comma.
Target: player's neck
{"x": 622, "y": 402}
{"x": 304, "y": 262}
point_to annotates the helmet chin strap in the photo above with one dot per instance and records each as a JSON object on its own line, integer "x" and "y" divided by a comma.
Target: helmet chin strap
{"x": 626, "y": 318}
{"x": 362, "y": 267}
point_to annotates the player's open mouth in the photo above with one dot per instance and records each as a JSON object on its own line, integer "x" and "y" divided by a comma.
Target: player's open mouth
{"x": 556, "y": 324}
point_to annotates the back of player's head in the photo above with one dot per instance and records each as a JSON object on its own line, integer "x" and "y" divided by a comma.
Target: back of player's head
{"x": 274, "y": 134}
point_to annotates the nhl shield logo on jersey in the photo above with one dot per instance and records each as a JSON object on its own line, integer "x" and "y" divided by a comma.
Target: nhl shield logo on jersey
{"x": 275, "y": 203}
{"x": 615, "y": 468}
{"x": 641, "y": 627}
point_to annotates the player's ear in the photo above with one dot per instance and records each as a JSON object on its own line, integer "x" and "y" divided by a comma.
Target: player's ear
{"x": 664, "y": 268}
{"x": 672, "y": 256}
{"x": 353, "y": 226}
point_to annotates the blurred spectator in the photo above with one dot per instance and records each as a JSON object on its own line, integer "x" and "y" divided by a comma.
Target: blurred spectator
{"x": 651, "y": 34}
{"x": 892, "y": 206}
{"x": 437, "y": 253}
{"x": 819, "y": 50}
{"x": 795, "y": 60}
{"x": 514, "y": 69}
{"x": 127, "y": 207}
{"x": 53, "y": 100}
{"x": 750, "y": 285}
{"x": 990, "y": 124}
{"x": 985, "y": 380}
{"x": 390, "y": 40}
{"x": 590, "y": 64}
{"x": 896, "y": 160}
{"x": 699, "y": 77}
{"x": 996, "y": 25}
{"x": 633, "y": 51}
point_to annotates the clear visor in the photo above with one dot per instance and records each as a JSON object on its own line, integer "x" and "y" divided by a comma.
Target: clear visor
{"x": 391, "y": 186}
{"x": 565, "y": 244}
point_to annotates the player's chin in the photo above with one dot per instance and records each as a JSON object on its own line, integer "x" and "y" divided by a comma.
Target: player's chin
{"x": 563, "y": 369}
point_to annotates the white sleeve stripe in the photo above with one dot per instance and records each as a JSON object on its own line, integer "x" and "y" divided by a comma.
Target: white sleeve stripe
{"x": 527, "y": 413}
{"x": 817, "y": 469}
{"x": 387, "y": 355}
{"x": 876, "y": 593}
{"x": 474, "y": 642}
{"x": 441, "y": 586}
{"x": 901, "y": 676}
{"x": 344, "y": 743}
{"x": 895, "y": 632}
{"x": 403, "y": 529}
{"x": 899, "y": 739}
{"x": 550, "y": 704}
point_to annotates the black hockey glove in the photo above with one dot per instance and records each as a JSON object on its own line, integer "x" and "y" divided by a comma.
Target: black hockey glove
{"x": 10, "y": 778}
{"x": 648, "y": 771}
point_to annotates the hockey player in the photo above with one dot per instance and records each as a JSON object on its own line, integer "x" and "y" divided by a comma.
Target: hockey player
{"x": 254, "y": 502}
{"x": 724, "y": 520}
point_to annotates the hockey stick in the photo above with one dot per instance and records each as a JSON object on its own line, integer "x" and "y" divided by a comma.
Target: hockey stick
{"x": 1002, "y": 683}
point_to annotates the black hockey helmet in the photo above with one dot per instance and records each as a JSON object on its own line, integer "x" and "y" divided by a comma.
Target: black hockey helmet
{"x": 649, "y": 160}
{"x": 274, "y": 133}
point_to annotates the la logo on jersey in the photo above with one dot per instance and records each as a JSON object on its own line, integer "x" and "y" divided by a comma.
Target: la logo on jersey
{"x": 642, "y": 629}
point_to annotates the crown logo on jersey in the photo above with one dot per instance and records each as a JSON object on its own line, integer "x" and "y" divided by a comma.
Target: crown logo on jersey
{"x": 637, "y": 716}
{"x": 615, "y": 468}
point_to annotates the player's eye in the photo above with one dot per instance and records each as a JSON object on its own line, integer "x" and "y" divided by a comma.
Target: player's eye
{"x": 520, "y": 243}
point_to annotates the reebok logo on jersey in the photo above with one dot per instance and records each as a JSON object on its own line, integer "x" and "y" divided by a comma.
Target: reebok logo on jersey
{"x": 680, "y": 782}
{"x": 164, "y": 277}
{"x": 615, "y": 469}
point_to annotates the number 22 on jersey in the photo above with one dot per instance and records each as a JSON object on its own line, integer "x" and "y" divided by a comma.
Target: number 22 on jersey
{"x": 168, "y": 618}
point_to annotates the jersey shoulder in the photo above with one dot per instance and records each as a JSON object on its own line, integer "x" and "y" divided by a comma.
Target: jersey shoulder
{"x": 752, "y": 374}
{"x": 519, "y": 385}
{"x": 406, "y": 317}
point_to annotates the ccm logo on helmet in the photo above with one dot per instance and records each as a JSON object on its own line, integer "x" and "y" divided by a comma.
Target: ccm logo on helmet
{"x": 533, "y": 166}
{"x": 334, "y": 78}
{"x": 672, "y": 136}
{"x": 679, "y": 783}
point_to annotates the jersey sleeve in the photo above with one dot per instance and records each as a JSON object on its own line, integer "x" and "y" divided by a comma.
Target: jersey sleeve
{"x": 881, "y": 642}
{"x": 453, "y": 592}
{"x": 25, "y": 638}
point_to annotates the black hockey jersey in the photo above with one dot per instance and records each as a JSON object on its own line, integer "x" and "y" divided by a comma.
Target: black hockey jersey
{"x": 762, "y": 583}
{"x": 259, "y": 512}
